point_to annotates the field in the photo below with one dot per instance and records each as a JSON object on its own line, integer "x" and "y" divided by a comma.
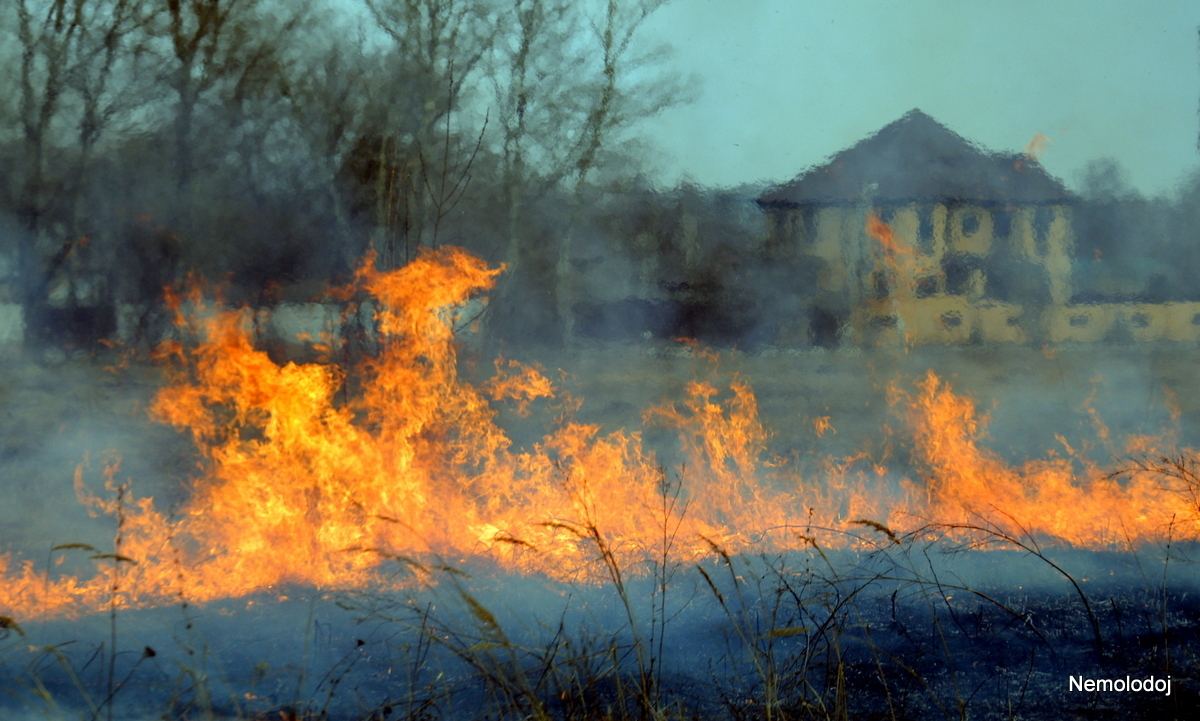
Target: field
{"x": 897, "y": 625}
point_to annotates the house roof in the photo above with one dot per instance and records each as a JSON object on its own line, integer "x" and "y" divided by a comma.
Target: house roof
{"x": 916, "y": 158}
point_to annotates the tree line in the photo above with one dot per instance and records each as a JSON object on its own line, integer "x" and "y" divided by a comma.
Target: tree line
{"x": 272, "y": 143}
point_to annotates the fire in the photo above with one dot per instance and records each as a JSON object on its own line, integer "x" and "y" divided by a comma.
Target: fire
{"x": 1036, "y": 146}
{"x": 899, "y": 266}
{"x": 895, "y": 249}
{"x": 336, "y": 477}
{"x": 1066, "y": 498}
{"x": 821, "y": 426}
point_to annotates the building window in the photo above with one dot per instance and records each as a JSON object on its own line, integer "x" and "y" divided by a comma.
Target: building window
{"x": 1079, "y": 321}
{"x": 1041, "y": 229}
{"x": 957, "y": 268}
{"x": 1139, "y": 320}
{"x": 783, "y": 233}
{"x": 1001, "y": 222}
{"x": 927, "y": 286}
{"x": 970, "y": 224}
{"x": 791, "y": 227}
{"x": 925, "y": 229}
{"x": 880, "y": 285}
{"x": 810, "y": 224}
{"x": 951, "y": 320}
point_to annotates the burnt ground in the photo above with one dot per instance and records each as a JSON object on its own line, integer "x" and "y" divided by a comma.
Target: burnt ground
{"x": 901, "y": 633}
{"x": 870, "y": 637}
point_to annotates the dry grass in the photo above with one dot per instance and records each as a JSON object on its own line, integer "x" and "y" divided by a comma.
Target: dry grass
{"x": 887, "y": 632}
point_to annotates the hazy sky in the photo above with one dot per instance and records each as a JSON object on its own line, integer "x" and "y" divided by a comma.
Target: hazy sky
{"x": 786, "y": 83}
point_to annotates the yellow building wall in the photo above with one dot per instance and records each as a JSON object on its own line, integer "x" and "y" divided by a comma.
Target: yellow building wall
{"x": 954, "y": 320}
{"x": 1053, "y": 250}
{"x": 945, "y": 319}
{"x": 1140, "y": 322}
{"x": 1000, "y": 323}
{"x": 831, "y": 233}
{"x": 837, "y": 235}
{"x": 978, "y": 242}
{"x": 1060, "y": 244}
{"x": 940, "y": 320}
{"x": 1080, "y": 323}
{"x": 1182, "y": 321}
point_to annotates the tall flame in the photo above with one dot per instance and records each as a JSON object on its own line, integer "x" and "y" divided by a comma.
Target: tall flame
{"x": 332, "y": 477}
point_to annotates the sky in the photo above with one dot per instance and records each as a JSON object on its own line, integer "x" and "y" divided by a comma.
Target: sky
{"x": 784, "y": 84}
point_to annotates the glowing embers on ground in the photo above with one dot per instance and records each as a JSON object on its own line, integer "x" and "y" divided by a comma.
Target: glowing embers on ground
{"x": 336, "y": 478}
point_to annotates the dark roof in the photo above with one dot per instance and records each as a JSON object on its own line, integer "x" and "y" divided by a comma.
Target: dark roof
{"x": 917, "y": 158}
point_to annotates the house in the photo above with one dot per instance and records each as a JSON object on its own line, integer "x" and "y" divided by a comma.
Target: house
{"x": 920, "y": 236}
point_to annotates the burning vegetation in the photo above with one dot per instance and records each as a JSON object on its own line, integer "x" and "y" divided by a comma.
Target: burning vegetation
{"x": 422, "y": 472}
{"x": 380, "y": 481}
{"x": 320, "y": 475}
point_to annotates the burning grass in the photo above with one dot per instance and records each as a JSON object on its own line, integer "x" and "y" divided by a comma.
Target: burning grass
{"x": 398, "y": 459}
{"x": 389, "y": 485}
{"x": 906, "y": 626}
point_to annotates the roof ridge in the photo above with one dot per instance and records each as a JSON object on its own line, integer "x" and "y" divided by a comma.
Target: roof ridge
{"x": 914, "y": 157}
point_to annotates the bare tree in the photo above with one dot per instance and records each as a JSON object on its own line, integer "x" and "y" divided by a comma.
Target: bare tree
{"x": 531, "y": 119}
{"x": 566, "y": 85}
{"x": 612, "y": 107}
{"x": 333, "y": 96}
{"x": 76, "y": 63}
{"x": 48, "y": 34}
{"x": 226, "y": 48}
{"x": 114, "y": 43}
{"x": 423, "y": 160}
{"x": 244, "y": 104}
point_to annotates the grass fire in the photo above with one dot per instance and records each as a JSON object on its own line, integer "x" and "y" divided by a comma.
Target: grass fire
{"x": 392, "y": 477}
{"x": 320, "y": 475}
{"x": 600, "y": 360}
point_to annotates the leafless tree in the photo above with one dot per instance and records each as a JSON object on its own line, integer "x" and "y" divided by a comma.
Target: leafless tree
{"x": 424, "y": 158}
{"x": 226, "y": 48}
{"x": 77, "y": 59}
{"x": 567, "y": 79}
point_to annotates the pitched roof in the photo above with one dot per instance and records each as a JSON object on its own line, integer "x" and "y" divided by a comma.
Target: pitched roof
{"x": 917, "y": 158}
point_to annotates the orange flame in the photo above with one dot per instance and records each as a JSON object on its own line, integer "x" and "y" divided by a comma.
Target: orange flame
{"x": 337, "y": 478}
{"x": 1037, "y": 145}
{"x": 1067, "y": 499}
{"x": 893, "y": 246}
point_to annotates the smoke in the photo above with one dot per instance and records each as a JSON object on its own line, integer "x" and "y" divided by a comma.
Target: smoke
{"x": 65, "y": 415}
{"x": 1133, "y": 248}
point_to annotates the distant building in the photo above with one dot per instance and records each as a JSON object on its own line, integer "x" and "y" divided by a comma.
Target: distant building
{"x": 919, "y": 236}
{"x": 978, "y": 245}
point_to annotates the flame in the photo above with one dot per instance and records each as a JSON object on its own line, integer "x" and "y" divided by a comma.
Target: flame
{"x": 821, "y": 426}
{"x": 894, "y": 247}
{"x": 899, "y": 265}
{"x": 1036, "y": 146}
{"x": 337, "y": 477}
{"x": 1068, "y": 499}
